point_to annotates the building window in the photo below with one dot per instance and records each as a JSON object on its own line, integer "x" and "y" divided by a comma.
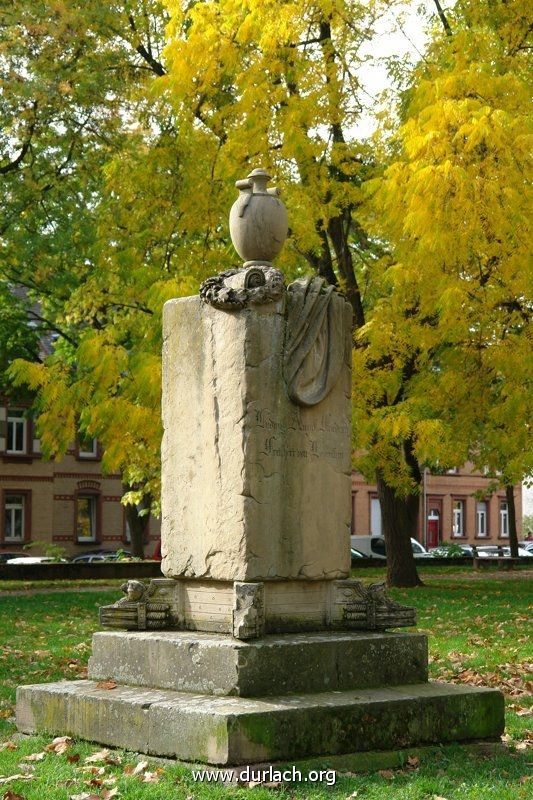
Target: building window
{"x": 458, "y": 518}
{"x": 86, "y": 518}
{"x": 375, "y": 517}
{"x": 481, "y": 518}
{"x": 14, "y": 517}
{"x": 88, "y": 448}
{"x": 17, "y": 431}
{"x": 504, "y": 519}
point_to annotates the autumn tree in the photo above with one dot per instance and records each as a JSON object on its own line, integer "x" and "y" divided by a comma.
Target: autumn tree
{"x": 76, "y": 82}
{"x": 451, "y": 339}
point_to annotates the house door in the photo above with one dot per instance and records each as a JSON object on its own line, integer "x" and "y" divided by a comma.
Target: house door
{"x": 433, "y": 528}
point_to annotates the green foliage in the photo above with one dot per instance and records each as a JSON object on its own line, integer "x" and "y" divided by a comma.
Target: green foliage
{"x": 50, "y": 549}
{"x": 449, "y": 550}
{"x": 17, "y": 338}
{"x": 527, "y": 525}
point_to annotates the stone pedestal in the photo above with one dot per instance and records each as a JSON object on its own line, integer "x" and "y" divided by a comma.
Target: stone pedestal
{"x": 254, "y": 486}
{"x": 220, "y": 665}
{"x": 212, "y": 699}
{"x": 255, "y": 541}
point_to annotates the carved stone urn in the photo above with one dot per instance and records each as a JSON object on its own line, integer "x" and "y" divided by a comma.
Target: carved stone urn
{"x": 258, "y": 220}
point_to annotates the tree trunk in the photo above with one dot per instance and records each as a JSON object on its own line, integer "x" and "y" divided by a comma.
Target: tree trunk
{"x": 137, "y": 525}
{"x": 513, "y": 535}
{"x": 399, "y": 520}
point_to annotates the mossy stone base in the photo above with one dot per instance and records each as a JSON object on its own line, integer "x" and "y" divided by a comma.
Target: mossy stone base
{"x": 215, "y": 664}
{"x": 235, "y": 730}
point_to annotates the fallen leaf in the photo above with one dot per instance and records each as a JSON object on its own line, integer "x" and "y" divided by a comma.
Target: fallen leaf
{"x": 73, "y": 758}
{"x": 59, "y": 745}
{"x": 525, "y": 744}
{"x": 106, "y": 685}
{"x": 8, "y": 746}
{"x": 413, "y": 761}
{"x": 84, "y": 796}
{"x": 17, "y": 777}
{"x": 101, "y": 755}
{"x": 386, "y": 773}
{"x": 137, "y": 769}
{"x": 153, "y": 777}
{"x": 108, "y": 794}
{"x": 9, "y": 795}
{"x": 34, "y": 757}
{"x": 438, "y": 797}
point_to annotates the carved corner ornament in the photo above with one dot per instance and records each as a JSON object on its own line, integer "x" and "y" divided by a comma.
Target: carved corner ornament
{"x": 137, "y": 610}
{"x": 248, "y": 610}
{"x": 369, "y": 608}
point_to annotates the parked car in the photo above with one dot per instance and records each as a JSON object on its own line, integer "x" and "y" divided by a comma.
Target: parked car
{"x": 374, "y": 546}
{"x": 356, "y": 555}
{"x": 89, "y": 558}
{"x": 35, "y": 560}
{"x": 100, "y": 555}
{"x": 495, "y": 551}
{"x": 452, "y": 550}
{"x": 5, "y": 557}
{"x": 526, "y": 546}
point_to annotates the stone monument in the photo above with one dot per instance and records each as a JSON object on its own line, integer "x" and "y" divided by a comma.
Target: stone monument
{"x": 256, "y": 645}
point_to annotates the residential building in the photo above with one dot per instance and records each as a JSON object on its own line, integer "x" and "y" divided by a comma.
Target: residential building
{"x": 69, "y": 503}
{"x": 458, "y": 507}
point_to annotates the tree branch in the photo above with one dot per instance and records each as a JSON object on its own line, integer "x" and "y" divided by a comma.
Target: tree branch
{"x": 12, "y": 165}
{"x": 443, "y": 19}
{"x": 154, "y": 64}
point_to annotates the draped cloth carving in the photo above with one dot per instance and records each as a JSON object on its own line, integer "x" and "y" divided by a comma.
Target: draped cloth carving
{"x": 318, "y": 325}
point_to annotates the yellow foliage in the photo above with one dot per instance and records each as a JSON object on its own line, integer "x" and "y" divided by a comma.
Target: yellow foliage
{"x": 455, "y": 204}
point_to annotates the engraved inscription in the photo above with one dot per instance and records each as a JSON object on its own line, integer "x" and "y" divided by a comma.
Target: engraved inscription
{"x": 301, "y": 438}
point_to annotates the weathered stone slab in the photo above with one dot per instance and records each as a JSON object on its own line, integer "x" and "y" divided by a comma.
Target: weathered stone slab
{"x": 255, "y": 486}
{"x": 219, "y": 665}
{"x": 235, "y": 730}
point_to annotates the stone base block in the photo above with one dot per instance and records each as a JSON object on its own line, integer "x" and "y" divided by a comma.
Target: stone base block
{"x": 219, "y": 665}
{"x": 235, "y": 730}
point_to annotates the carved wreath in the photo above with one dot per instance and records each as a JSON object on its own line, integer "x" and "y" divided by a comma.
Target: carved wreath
{"x": 261, "y": 285}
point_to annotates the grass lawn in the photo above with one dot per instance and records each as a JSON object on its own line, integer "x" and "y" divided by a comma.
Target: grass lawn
{"x": 478, "y": 634}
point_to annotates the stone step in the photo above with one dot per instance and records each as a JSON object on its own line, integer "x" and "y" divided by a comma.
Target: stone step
{"x": 236, "y": 730}
{"x": 283, "y": 664}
